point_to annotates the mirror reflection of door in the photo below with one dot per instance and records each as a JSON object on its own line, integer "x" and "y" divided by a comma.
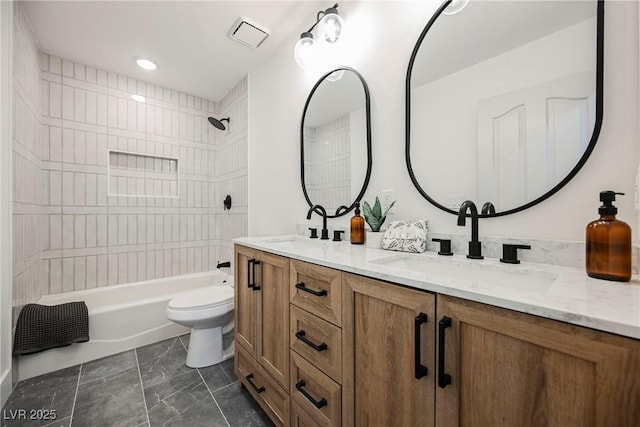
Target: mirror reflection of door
{"x": 503, "y": 101}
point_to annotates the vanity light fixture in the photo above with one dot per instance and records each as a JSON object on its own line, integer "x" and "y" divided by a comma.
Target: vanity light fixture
{"x": 138, "y": 98}
{"x": 146, "y": 64}
{"x": 328, "y": 27}
{"x": 455, "y": 6}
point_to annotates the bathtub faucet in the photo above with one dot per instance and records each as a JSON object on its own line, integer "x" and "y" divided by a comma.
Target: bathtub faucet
{"x": 223, "y": 264}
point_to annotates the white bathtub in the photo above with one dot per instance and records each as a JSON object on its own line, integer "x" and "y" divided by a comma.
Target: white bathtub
{"x": 121, "y": 317}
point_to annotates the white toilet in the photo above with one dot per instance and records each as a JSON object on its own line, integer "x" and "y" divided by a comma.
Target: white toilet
{"x": 208, "y": 312}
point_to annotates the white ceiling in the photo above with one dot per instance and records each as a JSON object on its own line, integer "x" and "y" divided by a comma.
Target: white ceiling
{"x": 187, "y": 40}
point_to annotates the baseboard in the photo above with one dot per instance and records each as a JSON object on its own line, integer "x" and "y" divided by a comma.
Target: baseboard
{"x": 6, "y": 386}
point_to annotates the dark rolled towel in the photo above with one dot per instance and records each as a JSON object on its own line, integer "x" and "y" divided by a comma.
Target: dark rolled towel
{"x": 41, "y": 327}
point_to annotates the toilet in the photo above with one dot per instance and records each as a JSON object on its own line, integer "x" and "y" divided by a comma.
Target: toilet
{"x": 208, "y": 312}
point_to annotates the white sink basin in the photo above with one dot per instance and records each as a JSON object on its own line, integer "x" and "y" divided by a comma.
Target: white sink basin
{"x": 476, "y": 274}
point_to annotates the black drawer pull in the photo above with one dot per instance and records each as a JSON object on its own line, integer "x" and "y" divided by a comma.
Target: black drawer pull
{"x": 317, "y": 347}
{"x": 255, "y": 387}
{"x": 444, "y": 379}
{"x": 253, "y": 268}
{"x": 249, "y": 270}
{"x": 420, "y": 371}
{"x": 317, "y": 403}
{"x": 302, "y": 287}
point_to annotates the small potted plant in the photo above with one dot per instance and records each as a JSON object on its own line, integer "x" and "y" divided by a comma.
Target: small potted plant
{"x": 375, "y": 217}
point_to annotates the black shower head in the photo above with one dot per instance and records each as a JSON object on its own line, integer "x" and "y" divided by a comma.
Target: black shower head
{"x": 218, "y": 123}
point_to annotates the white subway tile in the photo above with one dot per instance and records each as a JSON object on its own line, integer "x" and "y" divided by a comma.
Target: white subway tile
{"x": 55, "y": 65}
{"x": 122, "y": 230}
{"x": 68, "y": 149}
{"x": 68, "y": 110}
{"x": 55, "y": 231}
{"x": 67, "y": 188}
{"x": 80, "y": 147}
{"x": 80, "y": 227}
{"x": 80, "y": 275}
{"x": 102, "y": 270}
{"x": 91, "y": 103}
{"x": 142, "y": 266}
{"x": 102, "y": 78}
{"x": 132, "y": 261}
{"x": 91, "y": 271}
{"x": 79, "y": 72}
{"x": 67, "y": 274}
{"x": 67, "y": 68}
{"x": 122, "y": 113}
{"x": 91, "y": 233}
{"x": 112, "y": 276}
{"x": 102, "y": 190}
{"x": 55, "y": 100}
{"x": 80, "y": 105}
{"x": 101, "y": 230}
{"x": 101, "y": 110}
{"x": 55, "y": 276}
{"x": 112, "y": 111}
{"x": 151, "y": 265}
{"x": 123, "y": 268}
{"x": 80, "y": 190}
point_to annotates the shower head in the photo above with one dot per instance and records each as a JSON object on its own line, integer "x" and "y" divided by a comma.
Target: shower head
{"x": 218, "y": 123}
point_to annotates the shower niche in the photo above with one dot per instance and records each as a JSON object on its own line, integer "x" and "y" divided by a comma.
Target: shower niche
{"x": 142, "y": 175}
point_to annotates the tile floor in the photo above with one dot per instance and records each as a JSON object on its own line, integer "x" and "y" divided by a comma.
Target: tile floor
{"x": 148, "y": 386}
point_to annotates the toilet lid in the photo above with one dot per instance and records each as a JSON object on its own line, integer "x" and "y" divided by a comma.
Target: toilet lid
{"x": 210, "y": 296}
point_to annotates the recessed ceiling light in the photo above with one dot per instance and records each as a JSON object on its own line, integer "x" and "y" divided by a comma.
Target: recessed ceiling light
{"x": 146, "y": 64}
{"x": 138, "y": 98}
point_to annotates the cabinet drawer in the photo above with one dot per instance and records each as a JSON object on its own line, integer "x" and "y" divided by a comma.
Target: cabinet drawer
{"x": 273, "y": 399}
{"x": 317, "y": 290}
{"x": 318, "y": 341}
{"x": 299, "y": 418}
{"x": 315, "y": 393}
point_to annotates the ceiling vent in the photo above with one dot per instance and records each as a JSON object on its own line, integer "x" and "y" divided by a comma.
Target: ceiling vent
{"x": 248, "y": 33}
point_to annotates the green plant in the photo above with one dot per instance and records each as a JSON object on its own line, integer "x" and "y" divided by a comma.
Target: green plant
{"x": 374, "y": 216}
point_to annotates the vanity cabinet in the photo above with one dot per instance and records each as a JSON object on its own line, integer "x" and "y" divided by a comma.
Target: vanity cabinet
{"x": 512, "y": 369}
{"x": 388, "y": 341}
{"x": 261, "y": 320}
{"x": 356, "y": 351}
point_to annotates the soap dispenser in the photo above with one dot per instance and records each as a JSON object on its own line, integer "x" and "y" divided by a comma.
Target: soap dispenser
{"x": 357, "y": 227}
{"x": 609, "y": 243}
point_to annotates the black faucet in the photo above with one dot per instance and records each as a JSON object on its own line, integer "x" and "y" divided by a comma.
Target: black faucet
{"x": 475, "y": 247}
{"x": 325, "y": 232}
{"x": 223, "y": 264}
{"x": 488, "y": 208}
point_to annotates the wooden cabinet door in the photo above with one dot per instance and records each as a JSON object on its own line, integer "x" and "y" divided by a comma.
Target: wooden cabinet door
{"x": 513, "y": 369}
{"x": 379, "y": 342}
{"x": 272, "y": 283}
{"x": 245, "y": 300}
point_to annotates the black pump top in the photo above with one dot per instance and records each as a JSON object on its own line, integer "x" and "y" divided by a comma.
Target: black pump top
{"x": 357, "y": 212}
{"x": 607, "y": 198}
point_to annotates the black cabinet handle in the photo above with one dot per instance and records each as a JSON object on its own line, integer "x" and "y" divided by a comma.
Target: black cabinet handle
{"x": 302, "y": 287}
{"x": 253, "y": 269}
{"x": 443, "y": 378}
{"x": 249, "y": 270}
{"x": 420, "y": 371}
{"x": 255, "y": 387}
{"x": 317, "y": 403}
{"x": 317, "y": 347}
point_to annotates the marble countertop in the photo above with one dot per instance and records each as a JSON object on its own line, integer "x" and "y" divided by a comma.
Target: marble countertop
{"x": 560, "y": 293}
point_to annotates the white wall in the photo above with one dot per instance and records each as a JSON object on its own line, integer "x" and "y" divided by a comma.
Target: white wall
{"x": 6, "y": 40}
{"x": 380, "y": 48}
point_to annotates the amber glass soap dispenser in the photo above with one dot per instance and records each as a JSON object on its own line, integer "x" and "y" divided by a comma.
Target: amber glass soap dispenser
{"x": 609, "y": 243}
{"x": 357, "y": 227}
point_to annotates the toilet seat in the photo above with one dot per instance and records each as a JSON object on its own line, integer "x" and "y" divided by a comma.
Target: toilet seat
{"x": 204, "y": 298}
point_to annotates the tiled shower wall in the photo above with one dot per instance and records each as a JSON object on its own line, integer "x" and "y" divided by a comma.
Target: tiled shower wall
{"x": 29, "y": 192}
{"x": 327, "y": 165}
{"x": 72, "y": 230}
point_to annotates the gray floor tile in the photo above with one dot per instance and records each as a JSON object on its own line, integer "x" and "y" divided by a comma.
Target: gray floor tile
{"x": 239, "y": 407}
{"x": 180, "y": 401}
{"x": 107, "y": 366}
{"x": 162, "y": 360}
{"x": 114, "y": 400}
{"x": 227, "y": 367}
{"x": 53, "y": 391}
{"x": 185, "y": 340}
{"x": 215, "y": 377}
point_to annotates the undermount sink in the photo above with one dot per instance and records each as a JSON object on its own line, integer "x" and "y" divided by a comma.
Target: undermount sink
{"x": 479, "y": 274}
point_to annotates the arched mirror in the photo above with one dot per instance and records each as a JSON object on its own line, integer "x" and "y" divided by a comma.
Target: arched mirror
{"x": 504, "y": 101}
{"x": 335, "y": 142}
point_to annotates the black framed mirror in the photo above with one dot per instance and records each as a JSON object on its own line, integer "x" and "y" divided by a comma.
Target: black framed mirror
{"x": 504, "y": 101}
{"x": 335, "y": 141}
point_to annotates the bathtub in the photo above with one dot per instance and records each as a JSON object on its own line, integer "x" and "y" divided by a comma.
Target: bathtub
{"x": 121, "y": 317}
